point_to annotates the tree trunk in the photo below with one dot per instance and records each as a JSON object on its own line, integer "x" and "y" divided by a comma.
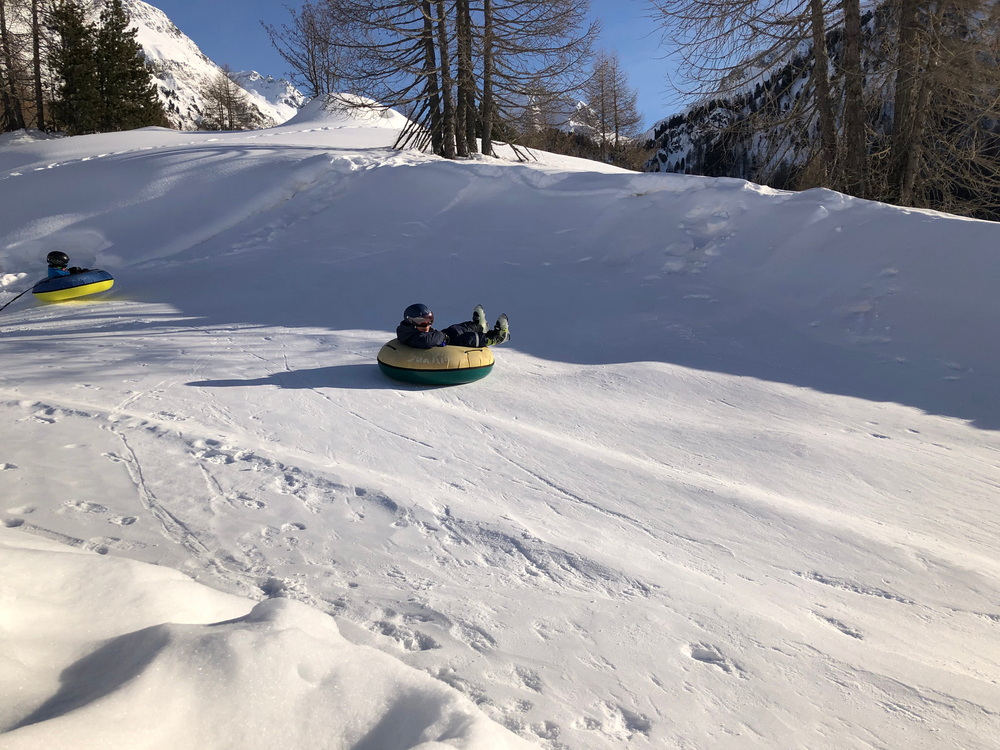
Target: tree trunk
{"x": 8, "y": 56}
{"x": 470, "y": 86}
{"x": 821, "y": 79}
{"x": 604, "y": 114}
{"x": 464, "y": 76}
{"x": 915, "y": 150}
{"x": 6, "y": 105}
{"x": 904, "y": 111}
{"x": 614, "y": 101}
{"x": 487, "y": 103}
{"x": 36, "y": 49}
{"x": 430, "y": 68}
{"x": 449, "y": 109}
{"x": 855, "y": 139}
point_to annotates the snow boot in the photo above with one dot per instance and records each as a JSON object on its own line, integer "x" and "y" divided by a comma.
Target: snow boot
{"x": 479, "y": 318}
{"x": 500, "y": 333}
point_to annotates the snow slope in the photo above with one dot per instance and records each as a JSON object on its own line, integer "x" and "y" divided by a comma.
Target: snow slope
{"x": 732, "y": 483}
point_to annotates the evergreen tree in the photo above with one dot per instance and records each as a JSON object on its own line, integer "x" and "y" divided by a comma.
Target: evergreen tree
{"x": 78, "y": 107}
{"x": 128, "y": 92}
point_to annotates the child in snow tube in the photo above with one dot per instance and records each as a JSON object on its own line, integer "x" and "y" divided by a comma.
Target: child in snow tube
{"x": 69, "y": 283}
{"x": 458, "y": 354}
{"x": 415, "y": 330}
{"x": 58, "y": 260}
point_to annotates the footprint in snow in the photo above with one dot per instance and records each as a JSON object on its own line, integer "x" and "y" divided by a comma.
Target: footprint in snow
{"x": 407, "y": 639}
{"x": 707, "y": 654}
{"x": 103, "y": 544}
{"x": 82, "y": 506}
{"x": 841, "y": 626}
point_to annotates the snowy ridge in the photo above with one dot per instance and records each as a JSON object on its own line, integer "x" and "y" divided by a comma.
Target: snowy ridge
{"x": 182, "y": 70}
{"x": 732, "y": 484}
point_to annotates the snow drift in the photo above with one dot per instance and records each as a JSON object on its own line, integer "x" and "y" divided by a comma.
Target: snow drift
{"x": 140, "y": 656}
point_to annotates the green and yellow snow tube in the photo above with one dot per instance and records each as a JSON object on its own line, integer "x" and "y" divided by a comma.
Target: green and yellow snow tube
{"x": 442, "y": 365}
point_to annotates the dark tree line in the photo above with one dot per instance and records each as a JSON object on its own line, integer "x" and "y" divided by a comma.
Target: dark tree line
{"x": 899, "y": 103}
{"x": 59, "y": 71}
{"x": 463, "y": 71}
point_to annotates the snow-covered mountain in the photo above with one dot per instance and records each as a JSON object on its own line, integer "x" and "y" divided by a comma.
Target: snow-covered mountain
{"x": 270, "y": 94}
{"x": 701, "y": 139}
{"x": 182, "y": 70}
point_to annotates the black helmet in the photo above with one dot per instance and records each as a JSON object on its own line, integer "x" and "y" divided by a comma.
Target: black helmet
{"x": 57, "y": 259}
{"x": 418, "y": 315}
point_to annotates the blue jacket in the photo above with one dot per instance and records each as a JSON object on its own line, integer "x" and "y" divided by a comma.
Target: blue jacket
{"x": 57, "y": 273}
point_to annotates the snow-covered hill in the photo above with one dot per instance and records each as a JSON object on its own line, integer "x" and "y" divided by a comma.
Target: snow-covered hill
{"x": 732, "y": 484}
{"x": 183, "y": 70}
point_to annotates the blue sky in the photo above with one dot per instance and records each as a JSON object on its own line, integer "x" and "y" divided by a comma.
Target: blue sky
{"x": 229, "y": 32}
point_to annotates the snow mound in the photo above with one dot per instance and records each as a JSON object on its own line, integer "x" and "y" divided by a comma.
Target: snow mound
{"x": 28, "y": 135}
{"x": 347, "y": 110}
{"x": 144, "y": 651}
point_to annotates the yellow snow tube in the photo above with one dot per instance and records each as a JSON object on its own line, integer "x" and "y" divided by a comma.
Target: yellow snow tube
{"x": 442, "y": 365}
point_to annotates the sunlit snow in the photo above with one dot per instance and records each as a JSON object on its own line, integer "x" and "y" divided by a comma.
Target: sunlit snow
{"x": 732, "y": 483}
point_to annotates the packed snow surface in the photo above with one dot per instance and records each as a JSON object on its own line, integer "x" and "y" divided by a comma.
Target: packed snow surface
{"x": 732, "y": 484}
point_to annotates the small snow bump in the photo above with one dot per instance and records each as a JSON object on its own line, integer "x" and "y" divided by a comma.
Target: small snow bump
{"x": 82, "y": 506}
